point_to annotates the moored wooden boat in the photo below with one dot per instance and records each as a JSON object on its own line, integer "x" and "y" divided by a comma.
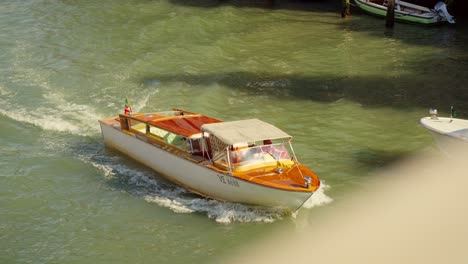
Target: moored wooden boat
{"x": 245, "y": 161}
{"x": 406, "y": 11}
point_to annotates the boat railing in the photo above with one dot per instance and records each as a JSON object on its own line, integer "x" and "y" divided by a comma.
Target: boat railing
{"x": 403, "y": 6}
{"x": 173, "y": 112}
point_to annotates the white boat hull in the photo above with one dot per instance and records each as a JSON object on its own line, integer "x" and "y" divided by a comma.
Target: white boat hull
{"x": 407, "y": 12}
{"x": 199, "y": 178}
{"x": 448, "y": 133}
{"x": 448, "y": 144}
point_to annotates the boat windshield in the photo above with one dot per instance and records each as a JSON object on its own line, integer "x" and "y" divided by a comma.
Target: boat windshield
{"x": 256, "y": 155}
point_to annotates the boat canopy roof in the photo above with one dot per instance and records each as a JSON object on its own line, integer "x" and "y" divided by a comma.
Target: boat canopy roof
{"x": 185, "y": 125}
{"x": 244, "y": 131}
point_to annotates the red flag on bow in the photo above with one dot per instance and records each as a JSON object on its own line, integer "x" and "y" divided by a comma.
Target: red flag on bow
{"x": 128, "y": 108}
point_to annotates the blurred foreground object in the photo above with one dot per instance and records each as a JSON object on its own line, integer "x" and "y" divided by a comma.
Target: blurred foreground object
{"x": 415, "y": 212}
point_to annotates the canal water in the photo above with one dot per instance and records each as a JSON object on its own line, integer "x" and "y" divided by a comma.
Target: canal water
{"x": 350, "y": 92}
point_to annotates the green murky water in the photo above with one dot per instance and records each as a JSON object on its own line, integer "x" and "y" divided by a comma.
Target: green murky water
{"x": 349, "y": 92}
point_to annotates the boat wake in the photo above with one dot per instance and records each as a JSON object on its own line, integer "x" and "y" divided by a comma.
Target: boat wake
{"x": 55, "y": 114}
{"x": 146, "y": 184}
{"x": 319, "y": 197}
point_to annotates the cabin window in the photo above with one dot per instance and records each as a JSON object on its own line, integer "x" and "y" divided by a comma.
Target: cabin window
{"x": 176, "y": 140}
{"x": 266, "y": 154}
{"x": 278, "y": 150}
{"x": 168, "y": 137}
{"x": 157, "y": 132}
{"x": 137, "y": 125}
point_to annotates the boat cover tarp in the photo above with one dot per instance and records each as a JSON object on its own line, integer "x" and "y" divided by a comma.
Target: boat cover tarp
{"x": 244, "y": 131}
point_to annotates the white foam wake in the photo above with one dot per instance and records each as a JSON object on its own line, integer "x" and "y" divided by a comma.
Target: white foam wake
{"x": 55, "y": 114}
{"x": 319, "y": 198}
{"x": 48, "y": 119}
{"x": 177, "y": 199}
{"x": 221, "y": 212}
{"x": 4, "y": 92}
{"x": 141, "y": 103}
{"x": 83, "y": 116}
{"x": 35, "y": 101}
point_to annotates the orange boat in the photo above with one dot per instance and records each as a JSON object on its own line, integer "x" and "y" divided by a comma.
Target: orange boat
{"x": 245, "y": 161}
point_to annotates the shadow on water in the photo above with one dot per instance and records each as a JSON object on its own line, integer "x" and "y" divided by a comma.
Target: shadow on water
{"x": 304, "y": 5}
{"x": 442, "y": 35}
{"x": 456, "y": 7}
{"x": 402, "y": 92}
{"x": 377, "y": 158}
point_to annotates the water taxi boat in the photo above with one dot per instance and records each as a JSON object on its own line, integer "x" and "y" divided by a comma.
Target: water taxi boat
{"x": 245, "y": 161}
{"x": 422, "y": 12}
{"x": 448, "y": 132}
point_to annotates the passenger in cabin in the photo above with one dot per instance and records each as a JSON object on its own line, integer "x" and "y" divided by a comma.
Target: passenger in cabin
{"x": 240, "y": 152}
{"x": 243, "y": 155}
{"x": 267, "y": 147}
{"x": 277, "y": 151}
{"x": 235, "y": 157}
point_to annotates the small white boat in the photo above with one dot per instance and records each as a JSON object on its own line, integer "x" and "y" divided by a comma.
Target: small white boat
{"x": 448, "y": 132}
{"x": 406, "y": 11}
{"x": 246, "y": 161}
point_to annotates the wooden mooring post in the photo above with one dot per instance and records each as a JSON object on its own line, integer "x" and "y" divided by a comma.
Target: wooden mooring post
{"x": 390, "y": 18}
{"x": 346, "y": 6}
